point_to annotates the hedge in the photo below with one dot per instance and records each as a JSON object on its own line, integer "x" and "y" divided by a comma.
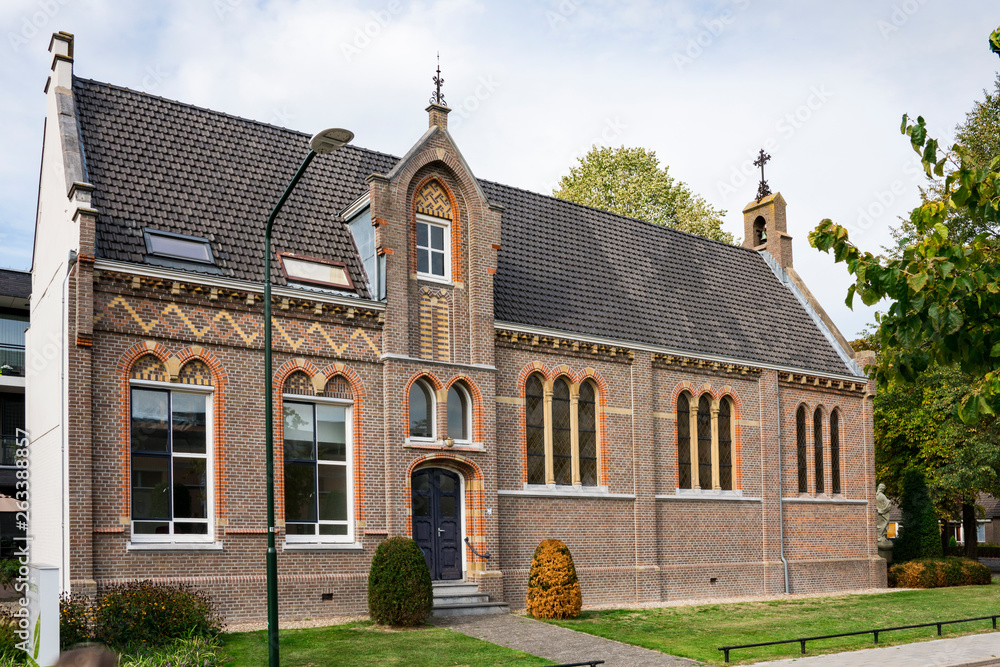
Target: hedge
{"x": 938, "y": 573}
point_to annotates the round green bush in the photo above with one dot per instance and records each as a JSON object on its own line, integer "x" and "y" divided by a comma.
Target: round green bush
{"x": 399, "y": 584}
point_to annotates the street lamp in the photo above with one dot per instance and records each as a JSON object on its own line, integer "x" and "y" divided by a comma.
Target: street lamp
{"x": 324, "y": 142}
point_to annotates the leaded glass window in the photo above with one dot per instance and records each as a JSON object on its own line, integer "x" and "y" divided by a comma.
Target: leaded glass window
{"x": 684, "y": 441}
{"x": 705, "y": 442}
{"x": 835, "y": 450}
{"x": 725, "y": 445}
{"x": 562, "y": 451}
{"x": 534, "y": 403}
{"x": 800, "y": 438}
{"x": 818, "y": 445}
{"x": 587, "y": 423}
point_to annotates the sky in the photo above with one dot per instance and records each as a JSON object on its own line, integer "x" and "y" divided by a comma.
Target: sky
{"x": 533, "y": 85}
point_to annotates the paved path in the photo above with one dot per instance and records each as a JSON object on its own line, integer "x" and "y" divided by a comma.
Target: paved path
{"x": 968, "y": 651}
{"x": 568, "y": 646}
{"x": 557, "y": 644}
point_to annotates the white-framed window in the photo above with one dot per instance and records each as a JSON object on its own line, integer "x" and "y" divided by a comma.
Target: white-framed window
{"x": 459, "y": 414}
{"x": 318, "y": 448}
{"x": 433, "y": 248}
{"x": 422, "y": 406}
{"x": 170, "y": 466}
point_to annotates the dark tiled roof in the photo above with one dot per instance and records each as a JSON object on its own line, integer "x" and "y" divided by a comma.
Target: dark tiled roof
{"x": 566, "y": 266}
{"x": 15, "y": 283}
{"x": 562, "y": 266}
{"x": 183, "y": 169}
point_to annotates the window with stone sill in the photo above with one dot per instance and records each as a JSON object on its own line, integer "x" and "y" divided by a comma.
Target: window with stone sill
{"x": 705, "y": 438}
{"x": 459, "y": 414}
{"x": 561, "y": 431}
{"x": 422, "y": 405}
{"x": 317, "y": 470}
{"x": 170, "y": 464}
{"x": 433, "y": 247}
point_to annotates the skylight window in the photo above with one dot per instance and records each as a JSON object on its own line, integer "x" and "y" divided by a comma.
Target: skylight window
{"x": 303, "y": 269}
{"x": 178, "y": 246}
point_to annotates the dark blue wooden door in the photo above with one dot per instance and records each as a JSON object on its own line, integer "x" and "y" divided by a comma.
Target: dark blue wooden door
{"x": 437, "y": 521}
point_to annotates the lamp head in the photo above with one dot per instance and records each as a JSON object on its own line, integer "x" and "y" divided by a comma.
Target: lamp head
{"x": 330, "y": 140}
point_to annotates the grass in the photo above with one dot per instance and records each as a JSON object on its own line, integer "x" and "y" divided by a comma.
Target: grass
{"x": 364, "y": 643}
{"x": 697, "y": 632}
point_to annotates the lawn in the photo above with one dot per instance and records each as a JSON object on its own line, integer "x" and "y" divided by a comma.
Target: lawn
{"x": 368, "y": 644}
{"x": 697, "y": 632}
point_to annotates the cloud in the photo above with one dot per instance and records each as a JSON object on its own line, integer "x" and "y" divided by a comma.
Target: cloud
{"x": 532, "y": 84}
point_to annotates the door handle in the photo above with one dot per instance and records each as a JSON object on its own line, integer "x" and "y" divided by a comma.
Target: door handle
{"x": 440, "y": 530}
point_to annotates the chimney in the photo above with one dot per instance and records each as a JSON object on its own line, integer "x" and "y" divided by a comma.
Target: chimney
{"x": 438, "y": 115}
{"x": 61, "y": 48}
{"x": 764, "y": 228}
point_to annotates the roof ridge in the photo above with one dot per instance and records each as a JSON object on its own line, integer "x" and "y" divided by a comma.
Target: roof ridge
{"x": 224, "y": 114}
{"x": 652, "y": 225}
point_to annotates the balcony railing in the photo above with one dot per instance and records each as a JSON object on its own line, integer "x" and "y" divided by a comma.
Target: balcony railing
{"x": 13, "y": 356}
{"x": 8, "y": 450}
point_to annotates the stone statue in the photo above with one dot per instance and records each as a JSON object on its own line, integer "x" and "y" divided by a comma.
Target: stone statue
{"x": 882, "y": 505}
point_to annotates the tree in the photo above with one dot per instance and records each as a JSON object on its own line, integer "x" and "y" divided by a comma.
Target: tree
{"x": 920, "y": 526}
{"x": 945, "y": 292}
{"x": 630, "y": 182}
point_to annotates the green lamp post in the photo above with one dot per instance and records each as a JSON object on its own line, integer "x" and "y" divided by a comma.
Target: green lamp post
{"x": 324, "y": 142}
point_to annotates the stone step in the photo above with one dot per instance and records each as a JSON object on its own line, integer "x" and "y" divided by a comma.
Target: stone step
{"x": 445, "y": 589}
{"x": 460, "y": 599}
{"x": 473, "y": 609}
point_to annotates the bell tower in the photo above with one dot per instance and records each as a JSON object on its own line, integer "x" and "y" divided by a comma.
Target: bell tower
{"x": 764, "y": 228}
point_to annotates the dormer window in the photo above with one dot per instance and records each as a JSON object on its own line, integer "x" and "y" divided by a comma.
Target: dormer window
{"x": 302, "y": 269}
{"x": 433, "y": 244}
{"x": 178, "y": 246}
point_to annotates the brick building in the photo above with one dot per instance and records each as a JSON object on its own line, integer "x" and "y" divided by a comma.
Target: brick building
{"x": 472, "y": 364}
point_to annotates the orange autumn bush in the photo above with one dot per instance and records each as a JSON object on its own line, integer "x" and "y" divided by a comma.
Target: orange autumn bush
{"x": 938, "y": 572}
{"x": 553, "y": 589}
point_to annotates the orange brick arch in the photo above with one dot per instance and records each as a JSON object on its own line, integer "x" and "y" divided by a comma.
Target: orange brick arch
{"x": 219, "y": 379}
{"x": 718, "y": 394}
{"x": 456, "y": 225}
{"x": 475, "y": 503}
{"x": 478, "y": 432}
{"x": 435, "y": 383}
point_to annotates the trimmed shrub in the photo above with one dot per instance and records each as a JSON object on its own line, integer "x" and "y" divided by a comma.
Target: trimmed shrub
{"x": 921, "y": 537}
{"x": 399, "y": 584}
{"x": 146, "y": 614}
{"x": 939, "y": 573}
{"x": 75, "y": 620}
{"x": 553, "y": 589}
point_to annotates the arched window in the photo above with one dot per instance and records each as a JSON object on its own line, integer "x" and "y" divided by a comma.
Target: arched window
{"x": 459, "y": 414}
{"x": 171, "y": 453}
{"x": 421, "y": 410}
{"x": 561, "y": 420}
{"x": 725, "y": 444}
{"x": 587, "y": 424}
{"x": 534, "y": 403}
{"x": 705, "y": 442}
{"x": 562, "y": 447}
{"x": 318, "y": 445}
{"x": 818, "y": 444}
{"x": 684, "y": 441}
{"x": 800, "y": 438}
{"x": 835, "y": 450}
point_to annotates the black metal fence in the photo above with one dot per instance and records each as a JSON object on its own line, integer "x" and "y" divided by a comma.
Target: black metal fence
{"x": 802, "y": 640}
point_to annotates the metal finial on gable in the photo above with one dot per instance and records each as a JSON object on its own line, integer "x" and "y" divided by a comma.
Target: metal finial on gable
{"x": 438, "y": 98}
{"x": 761, "y": 160}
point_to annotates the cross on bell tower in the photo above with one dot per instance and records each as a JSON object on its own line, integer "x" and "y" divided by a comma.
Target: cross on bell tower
{"x": 763, "y": 190}
{"x": 438, "y": 97}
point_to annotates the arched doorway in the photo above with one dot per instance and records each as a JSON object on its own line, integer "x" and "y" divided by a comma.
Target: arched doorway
{"x": 437, "y": 520}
